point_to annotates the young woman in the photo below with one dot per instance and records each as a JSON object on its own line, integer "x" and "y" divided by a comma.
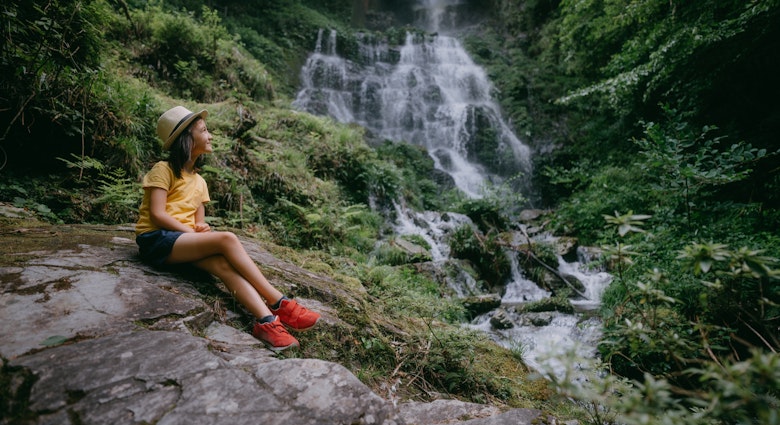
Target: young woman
{"x": 172, "y": 229}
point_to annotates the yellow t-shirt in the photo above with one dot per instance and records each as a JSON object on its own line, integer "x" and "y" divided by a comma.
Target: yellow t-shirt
{"x": 185, "y": 195}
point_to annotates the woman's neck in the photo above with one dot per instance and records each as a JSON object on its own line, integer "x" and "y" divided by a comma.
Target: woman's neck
{"x": 189, "y": 166}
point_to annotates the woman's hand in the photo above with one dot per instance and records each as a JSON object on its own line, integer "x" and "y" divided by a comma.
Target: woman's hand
{"x": 202, "y": 227}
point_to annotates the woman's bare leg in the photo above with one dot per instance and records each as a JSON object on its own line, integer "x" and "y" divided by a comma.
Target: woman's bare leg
{"x": 193, "y": 247}
{"x": 241, "y": 289}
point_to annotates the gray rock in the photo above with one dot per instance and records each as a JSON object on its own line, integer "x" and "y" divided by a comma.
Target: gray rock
{"x": 45, "y": 301}
{"x": 512, "y": 417}
{"x": 443, "y": 411}
{"x": 480, "y": 304}
{"x": 501, "y": 320}
{"x": 565, "y": 246}
{"x": 412, "y": 249}
{"x": 536, "y": 319}
{"x": 530, "y": 215}
{"x": 115, "y": 370}
{"x": 320, "y": 392}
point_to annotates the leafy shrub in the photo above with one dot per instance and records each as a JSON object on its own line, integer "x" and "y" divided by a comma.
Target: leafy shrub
{"x": 120, "y": 196}
{"x": 610, "y": 189}
{"x": 404, "y": 292}
{"x": 685, "y": 166}
{"x": 676, "y": 366}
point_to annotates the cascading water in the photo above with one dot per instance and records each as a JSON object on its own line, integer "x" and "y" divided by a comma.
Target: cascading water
{"x": 429, "y": 92}
{"x": 543, "y": 336}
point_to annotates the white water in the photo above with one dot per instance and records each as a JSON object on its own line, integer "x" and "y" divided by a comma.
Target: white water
{"x": 595, "y": 281}
{"x": 437, "y": 15}
{"x": 544, "y": 346}
{"x": 519, "y": 289}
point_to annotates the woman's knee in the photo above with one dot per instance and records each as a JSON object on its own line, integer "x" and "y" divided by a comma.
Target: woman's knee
{"x": 229, "y": 236}
{"x": 227, "y": 239}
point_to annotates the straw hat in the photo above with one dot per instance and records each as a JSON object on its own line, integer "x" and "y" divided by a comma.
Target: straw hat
{"x": 174, "y": 121}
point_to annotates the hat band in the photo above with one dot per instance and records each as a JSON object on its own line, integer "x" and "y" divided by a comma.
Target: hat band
{"x": 186, "y": 117}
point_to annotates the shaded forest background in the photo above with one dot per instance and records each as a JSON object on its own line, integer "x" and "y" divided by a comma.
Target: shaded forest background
{"x": 654, "y": 126}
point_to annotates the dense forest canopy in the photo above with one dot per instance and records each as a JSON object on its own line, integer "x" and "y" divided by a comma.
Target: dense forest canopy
{"x": 654, "y": 125}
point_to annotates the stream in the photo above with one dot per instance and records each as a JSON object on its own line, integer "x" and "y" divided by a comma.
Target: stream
{"x": 540, "y": 337}
{"x": 429, "y": 92}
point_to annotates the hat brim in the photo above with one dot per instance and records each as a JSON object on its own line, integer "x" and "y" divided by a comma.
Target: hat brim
{"x": 182, "y": 125}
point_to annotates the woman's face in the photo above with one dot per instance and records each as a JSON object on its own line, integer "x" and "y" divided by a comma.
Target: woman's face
{"x": 201, "y": 138}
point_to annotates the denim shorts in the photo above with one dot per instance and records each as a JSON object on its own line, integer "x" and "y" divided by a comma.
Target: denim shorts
{"x": 154, "y": 247}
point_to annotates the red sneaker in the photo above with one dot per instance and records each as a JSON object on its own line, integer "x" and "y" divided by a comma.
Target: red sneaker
{"x": 296, "y": 316}
{"x": 274, "y": 334}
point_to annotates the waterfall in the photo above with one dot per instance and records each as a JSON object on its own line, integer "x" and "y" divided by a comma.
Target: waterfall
{"x": 427, "y": 92}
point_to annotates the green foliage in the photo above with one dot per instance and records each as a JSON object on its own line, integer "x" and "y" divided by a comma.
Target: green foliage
{"x": 641, "y": 49}
{"x": 346, "y": 158}
{"x": 685, "y": 167}
{"x": 406, "y": 293}
{"x": 417, "y": 240}
{"x": 120, "y": 196}
{"x": 117, "y": 195}
{"x": 740, "y": 291}
{"x": 686, "y": 368}
{"x": 619, "y": 255}
{"x": 625, "y": 223}
{"x": 50, "y": 62}
{"x": 417, "y": 173}
{"x": 354, "y": 226}
{"x": 195, "y": 57}
{"x": 41, "y": 210}
{"x": 16, "y": 384}
{"x": 390, "y": 255}
{"x": 674, "y": 335}
{"x": 610, "y": 189}
{"x": 742, "y": 392}
{"x": 280, "y": 33}
{"x": 683, "y": 356}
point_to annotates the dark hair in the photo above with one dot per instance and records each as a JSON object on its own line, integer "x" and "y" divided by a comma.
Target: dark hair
{"x": 180, "y": 150}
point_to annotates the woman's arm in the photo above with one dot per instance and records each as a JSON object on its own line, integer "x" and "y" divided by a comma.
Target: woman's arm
{"x": 160, "y": 218}
{"x": 200, "y": 220}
